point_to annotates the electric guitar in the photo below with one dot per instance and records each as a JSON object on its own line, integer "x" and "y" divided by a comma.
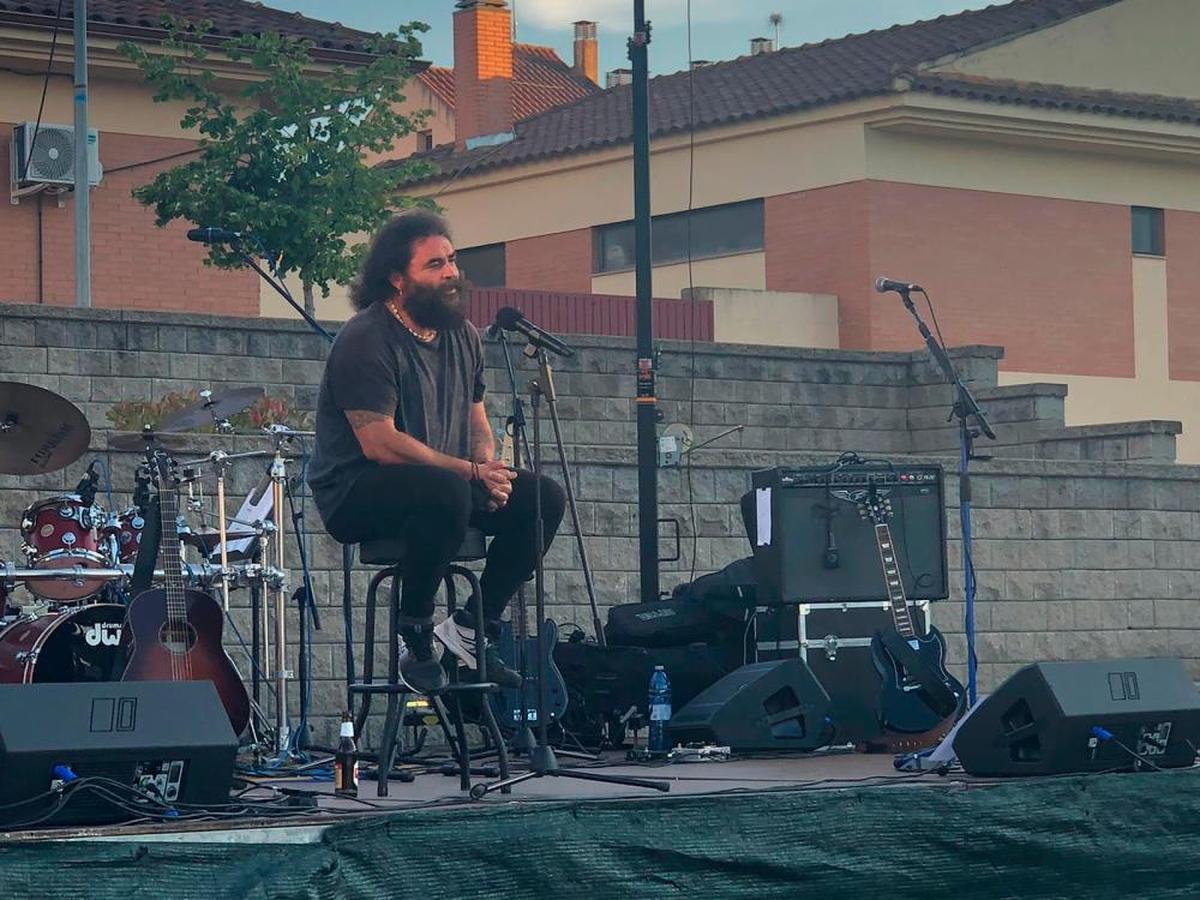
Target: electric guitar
{"x": 918, "y": 695}
{"x": 176, "y": 631}
{"x": 506, "y": 703}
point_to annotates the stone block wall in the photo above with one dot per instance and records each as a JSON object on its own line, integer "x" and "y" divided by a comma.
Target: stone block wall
{"x": 1087, "y": 541}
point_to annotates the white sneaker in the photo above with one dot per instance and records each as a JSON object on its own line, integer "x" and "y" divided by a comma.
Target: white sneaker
{"x": 458, "y": 639}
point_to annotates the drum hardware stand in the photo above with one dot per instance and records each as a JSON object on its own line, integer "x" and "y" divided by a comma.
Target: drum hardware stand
{"x": 279, "y": 489}
{"x": 259, "y": 577}
{"x": 542, "y": 759}
{"x": 306, "y": 603}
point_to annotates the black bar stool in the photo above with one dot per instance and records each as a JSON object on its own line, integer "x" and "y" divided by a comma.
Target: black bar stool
{"x": 390, "y": 553}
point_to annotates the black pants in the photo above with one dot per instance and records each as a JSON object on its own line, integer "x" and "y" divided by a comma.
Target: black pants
{"x": 431, "y": 508}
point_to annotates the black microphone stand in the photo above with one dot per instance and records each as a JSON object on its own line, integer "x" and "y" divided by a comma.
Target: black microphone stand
{"x": 542, "y": 759}
{"x": 281, "y": 289}
{"x": 966, "y": 410}
{"x": 523, "y": 739}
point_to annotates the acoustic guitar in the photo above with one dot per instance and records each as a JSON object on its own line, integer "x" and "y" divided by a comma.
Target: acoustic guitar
{"x": 176, "y": 631}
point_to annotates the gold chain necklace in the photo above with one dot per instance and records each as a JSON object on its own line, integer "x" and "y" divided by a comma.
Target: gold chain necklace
{"x": 395, "y": 311}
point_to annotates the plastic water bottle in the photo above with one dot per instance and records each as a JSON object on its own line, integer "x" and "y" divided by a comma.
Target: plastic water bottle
{"x": 660, "y": 711}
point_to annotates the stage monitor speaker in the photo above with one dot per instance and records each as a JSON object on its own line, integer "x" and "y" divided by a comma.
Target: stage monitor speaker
{"x": 172, "y": 739}
{"x": 775, "y": 705}
{"x": 821, "y": 549}
{"x": 1041, "y": 720}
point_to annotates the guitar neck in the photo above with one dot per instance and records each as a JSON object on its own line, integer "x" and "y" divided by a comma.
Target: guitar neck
{"x": 895, "y": 586}
{"x": 168, "y": 501}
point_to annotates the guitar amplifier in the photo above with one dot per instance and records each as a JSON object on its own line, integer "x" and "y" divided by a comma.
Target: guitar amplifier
{"x": 813, "y": 544}
{"x": 835, "y": 640}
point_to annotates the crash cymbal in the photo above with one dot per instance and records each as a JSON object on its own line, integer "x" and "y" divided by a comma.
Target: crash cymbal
{"x": 39, "y": 430}
{"x": 136, "y": 441}
{"x": 211, "y": 409}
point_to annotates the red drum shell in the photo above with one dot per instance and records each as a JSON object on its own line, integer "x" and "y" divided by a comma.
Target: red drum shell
{"x": 63, "y": 532}
{"x": 83, "y": 643}
{"x": 128, "y": 535}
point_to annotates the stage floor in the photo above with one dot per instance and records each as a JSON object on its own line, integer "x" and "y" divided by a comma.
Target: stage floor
{"x": 828, "y": 770}
{"x": 831, "y": 825}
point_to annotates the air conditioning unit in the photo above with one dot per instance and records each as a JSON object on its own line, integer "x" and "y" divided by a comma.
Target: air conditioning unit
{"x": 51, "y": 157}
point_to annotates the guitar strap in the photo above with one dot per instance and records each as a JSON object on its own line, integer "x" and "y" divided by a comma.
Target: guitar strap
{"x": 941, "y": 699}
{"x": 147, "y": 555}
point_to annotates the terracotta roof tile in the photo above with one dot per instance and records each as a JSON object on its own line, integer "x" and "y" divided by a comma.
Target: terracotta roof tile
{"x": 770, "y": 84}
{"x": 230, "y": 18}
{"x": 541, "y": 81}
{"x": 1057, "y": 96}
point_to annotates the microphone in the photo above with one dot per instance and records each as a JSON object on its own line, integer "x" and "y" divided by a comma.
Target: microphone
{"x": 88, "y": 484}
{"x": 213, "y": 235}
{"x": 510, "y": 318}
{"x": 884, "y": 285}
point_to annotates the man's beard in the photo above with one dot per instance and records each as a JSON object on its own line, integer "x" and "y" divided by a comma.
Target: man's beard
{"x": 442, "y": 308}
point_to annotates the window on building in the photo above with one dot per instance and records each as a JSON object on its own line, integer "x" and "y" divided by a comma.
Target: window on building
{"x": 1148, "y": 235}
{"x": 714, "y": 231}
{"x": 424, "y": 141}
{"x": 483, "y": 266}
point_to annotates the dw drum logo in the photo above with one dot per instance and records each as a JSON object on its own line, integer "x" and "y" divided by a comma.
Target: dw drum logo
{"x": 102, "y": 633}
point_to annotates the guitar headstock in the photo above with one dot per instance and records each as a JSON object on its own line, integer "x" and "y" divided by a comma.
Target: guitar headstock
{"x": 164, "y": 470}
{"x": 875, "y": 506}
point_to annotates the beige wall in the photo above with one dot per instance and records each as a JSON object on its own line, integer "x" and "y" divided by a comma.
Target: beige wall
{"x": 1137, "y": 46}
{"x": 334, "y": 308}
{"x": 439, "y": 119}
{"x": 772, "y": 318}
{"x": 113, "y": 105}
{"x": 968, "y": 157}
{"x": 1148, "y": 395}
{"x": 743, "y": 270}
{"x": 738, "y": 163}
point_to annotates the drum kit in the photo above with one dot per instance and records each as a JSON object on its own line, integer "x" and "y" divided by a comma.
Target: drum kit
{"x": 81, "y": 560}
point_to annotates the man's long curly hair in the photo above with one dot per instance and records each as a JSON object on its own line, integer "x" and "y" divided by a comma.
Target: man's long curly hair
{"x": 391, "y": 252}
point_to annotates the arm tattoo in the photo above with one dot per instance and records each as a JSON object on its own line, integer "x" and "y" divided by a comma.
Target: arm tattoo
{"x": 360, "y": 417}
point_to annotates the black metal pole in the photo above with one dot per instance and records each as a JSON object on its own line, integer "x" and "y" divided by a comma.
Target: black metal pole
{"x": 647, "y": 401}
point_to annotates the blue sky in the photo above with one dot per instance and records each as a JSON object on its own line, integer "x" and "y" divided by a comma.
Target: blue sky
{"x": 721, "y": 29}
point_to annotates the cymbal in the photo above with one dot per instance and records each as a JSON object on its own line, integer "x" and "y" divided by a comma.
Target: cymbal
{"x": 138, "y": 440}
{"x": 212, "y": 409}
{"x": 39, "y": 430}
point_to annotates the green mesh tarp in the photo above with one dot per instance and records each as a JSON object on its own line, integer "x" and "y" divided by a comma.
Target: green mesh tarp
{"x": 1103, "y": 836}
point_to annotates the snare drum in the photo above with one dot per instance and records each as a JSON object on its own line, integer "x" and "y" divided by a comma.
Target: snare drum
{"x": 61, "y": 533}
{"x": 78, "y": 644}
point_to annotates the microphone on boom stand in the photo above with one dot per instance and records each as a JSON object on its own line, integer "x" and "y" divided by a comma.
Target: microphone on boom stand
{"x": 887, "y": 285}
{"x": 509, "y": 318}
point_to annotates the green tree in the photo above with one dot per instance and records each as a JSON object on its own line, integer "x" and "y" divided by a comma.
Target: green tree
{"x": 281, "y": 154}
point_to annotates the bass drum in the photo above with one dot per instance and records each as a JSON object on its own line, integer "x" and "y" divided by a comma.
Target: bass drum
{"x": 78, "y": 644}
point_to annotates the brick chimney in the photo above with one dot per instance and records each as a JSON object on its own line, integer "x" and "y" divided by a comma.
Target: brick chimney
{"x": 483, "y": 68}
{"x": 618, "y": 77}
{"x": 587, "y": 52}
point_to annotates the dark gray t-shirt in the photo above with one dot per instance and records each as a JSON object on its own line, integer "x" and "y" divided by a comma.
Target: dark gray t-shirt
{"x": 377, "y": 365}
